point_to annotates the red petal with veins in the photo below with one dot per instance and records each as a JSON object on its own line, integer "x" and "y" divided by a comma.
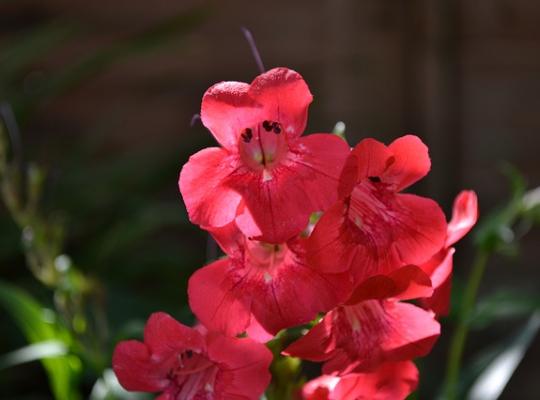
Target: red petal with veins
{"x": 135, "y": 371}
{"x": 227, "y": 108}
{"x": 281, "y": 199}
{"x": 411, "y": 162}
{"x": 391, "y": 381}
{"x": 409, "y": 282}
{"x": 263, "y": 283}
{"x": 209, "y": 202}
{"x": 464, "y": 216}
{"x": 285, "y": 98}
{"x": 368, "y": 334}
{"x": 243, "y": 366}
{"x": 184, "y": 363}
{"x": 216, "y": 300}
{"x": 377, "y": 232}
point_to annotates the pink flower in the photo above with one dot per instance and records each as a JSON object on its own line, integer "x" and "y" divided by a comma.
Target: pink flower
{"x": 439, "y": 268}
{"x": 360, "y": 337}
{"x": 265, "y": 176}
{"x": 391, "y": 381}
{"x": 376, "y": 230}
{"x": 262, "y": 287}
{"x": 184, "y": 364}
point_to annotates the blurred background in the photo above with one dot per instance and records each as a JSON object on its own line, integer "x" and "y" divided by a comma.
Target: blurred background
{"x": 104, "y": 92}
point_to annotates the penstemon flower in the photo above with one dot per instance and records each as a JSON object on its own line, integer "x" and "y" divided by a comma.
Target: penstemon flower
{"x": 360, "y": 337}
{"x": 266, "y": 177}
{"x": 264, "y": 285}
{"x": 185, "y": 363}
{"x": 375, "y": 229}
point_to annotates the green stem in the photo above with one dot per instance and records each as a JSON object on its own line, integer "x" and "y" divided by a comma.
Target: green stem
{"x": 459, "y": 338}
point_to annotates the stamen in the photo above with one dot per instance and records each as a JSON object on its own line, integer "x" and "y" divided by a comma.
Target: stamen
{"x": 374, "y": 179}
{"x": 247, "y": 135}
{"x": 268, "y": 126}
{"x": 277, "y": 128}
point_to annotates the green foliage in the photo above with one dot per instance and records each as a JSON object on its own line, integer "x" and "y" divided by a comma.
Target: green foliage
{"x": 41, "y": 325}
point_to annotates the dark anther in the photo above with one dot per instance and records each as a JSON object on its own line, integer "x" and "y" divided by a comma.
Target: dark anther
{"x": 247, "y": 135}
{"x": 267, "y": 125}
{"x": 189, "y": 353}
{"x": 277, "y": 128}
{"x": 375, "y": 179}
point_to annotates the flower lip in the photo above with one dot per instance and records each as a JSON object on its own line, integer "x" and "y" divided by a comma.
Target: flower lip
{"x": 262, "y": 146}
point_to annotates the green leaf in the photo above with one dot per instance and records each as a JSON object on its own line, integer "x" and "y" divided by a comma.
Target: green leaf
{"x": 492, "y": 381}
{"x": 39, "y": 325}
{"x": 495, "y": 231}
{"x": 503, "y": 304}
{"x": 33, "y": 352}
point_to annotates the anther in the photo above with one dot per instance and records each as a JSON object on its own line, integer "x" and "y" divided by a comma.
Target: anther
{"x": 189, "y": 353}
{"x": 247, "y": 135}
{"x": 374, "y": 179}
{"x": 276, "y": 127}
{"x": 268, "y": 126}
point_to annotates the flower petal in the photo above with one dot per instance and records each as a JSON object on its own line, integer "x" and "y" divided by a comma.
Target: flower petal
{"x": 375, "y": 233}
{"x": 134, "y": 369}
{"x": 373, "y": 158}
{"x": 440, "y": 270}
{"x": 163, "y": 335}
{"x": 359, "y": 338}
{"x": 294, "y": 294}
{"x": 214, "y": 300}
{"x": 331, "y": 246}
{"x": 391, "y": 381}
{"x": 316, "y": 345}
{"x": 409, "y": 282}
{"x": 411, "y": 162}
{"x": 208, "y": 201}
{"x": 280, "y": 200}
{"x": 227, "y": 109}
{"x": 256, "y": 332}
{"x": 285, "y": 98}
{"x": 244, "y": 366}
{"x": 464, "y": 216}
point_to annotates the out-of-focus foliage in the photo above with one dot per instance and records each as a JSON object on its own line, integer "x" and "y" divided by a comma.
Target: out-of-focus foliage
{"x": 42, "y": 328}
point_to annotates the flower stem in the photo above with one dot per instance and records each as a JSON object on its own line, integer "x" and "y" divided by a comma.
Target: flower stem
{"x": 459, "y": 338}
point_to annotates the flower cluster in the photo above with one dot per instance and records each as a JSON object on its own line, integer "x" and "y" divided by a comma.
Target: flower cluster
{"x": 312, "y": 230}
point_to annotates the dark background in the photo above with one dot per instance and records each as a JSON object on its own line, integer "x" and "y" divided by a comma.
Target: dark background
{"x": 104, "y": 93}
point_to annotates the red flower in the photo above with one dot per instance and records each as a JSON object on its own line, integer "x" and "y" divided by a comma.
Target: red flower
{"x": 275, "y": 176}
{"x": 391, "y": 381}
{"x": 439, "y": 268}
{"x": 261, "y": 287}
{"x": 185, "y": 364}
{"x": 360, "y": 337}
{"x": 376, "y": 230}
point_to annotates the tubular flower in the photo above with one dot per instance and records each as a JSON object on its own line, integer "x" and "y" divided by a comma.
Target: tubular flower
{"x": 265, "y": 176}
{"x": 184, "y": 364}
{"x": 360, "y": 337}
{"x": 391, "y": 381}
{"x": 375, "y": 230}
{"x": 262, "y": 288}
{"x": 439, "y": 268}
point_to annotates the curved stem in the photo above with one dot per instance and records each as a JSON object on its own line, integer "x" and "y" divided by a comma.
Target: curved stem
{"x": 459, "y": 338}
